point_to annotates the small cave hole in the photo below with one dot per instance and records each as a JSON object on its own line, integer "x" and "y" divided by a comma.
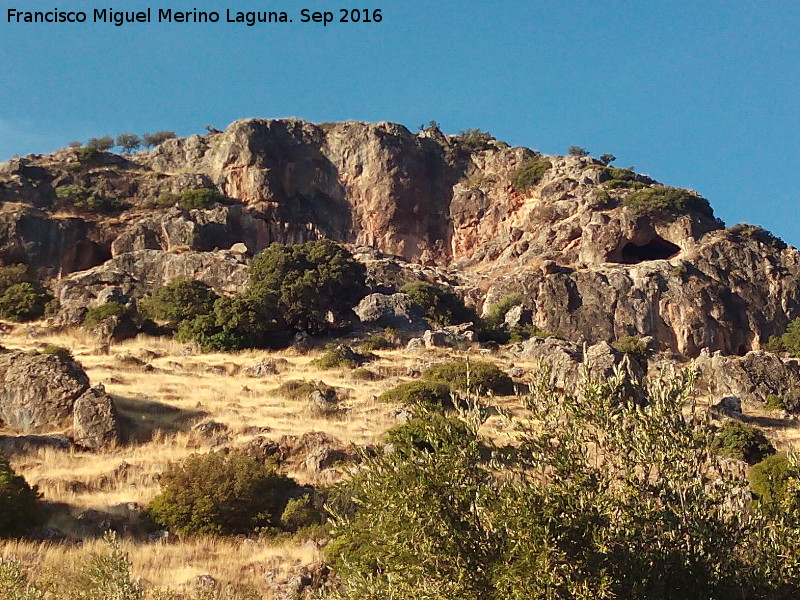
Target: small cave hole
{"x": 656, "y": 249}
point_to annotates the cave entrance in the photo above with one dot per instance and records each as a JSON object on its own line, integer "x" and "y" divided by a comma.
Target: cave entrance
{"x": 656, "y": 249}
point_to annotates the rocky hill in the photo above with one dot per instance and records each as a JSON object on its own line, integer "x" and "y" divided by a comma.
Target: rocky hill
{"x": 598, "y": 253}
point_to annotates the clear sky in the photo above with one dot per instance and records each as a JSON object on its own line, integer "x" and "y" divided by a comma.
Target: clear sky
{"x": 702, "y": 95}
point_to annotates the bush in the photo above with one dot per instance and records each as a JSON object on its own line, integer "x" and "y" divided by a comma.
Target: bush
{"x": 745, "y": 231}
{"x": 314, "y": 285}
{"x": 150, "y": 140}
{"x": 197, "y": 198}
{"x": 301, "y": 512}
{"x": 429, "y": 393}
{"x": 442, "y": 307}
{"x": 23, "y": 302}
{"x": 741, "y": 441}
{"x": 788, "y": 342}
{"x": 301, "y": 389}
{"x": 663, "y": 202}
{"x": 658, "y": 517}
{"x": 101, "y": 144}
{"x": 220, "y": 493}
{"x": 59, "y": 351}
{"x": 477, "y": 376}
{"x": 774, "y": 481}
{"x": 474, "y": 139}
{"x": 577, "y": 151}
{"x": 180, "y": 300}
{"x": 364, "y": 374}
{"x": 95, "y": 316}
{"x": 633, "y": 346}
{"x": 19, "y": 502}
{"x": 81, "y": 199}
{"x": 377, "y": 342}
{"x": 15, "y": 584}
{"x": 339, "y": 355}
{"x": 529, "y": 173}
{"x": 775, "y": 402}
{"x": 607, "y": 159}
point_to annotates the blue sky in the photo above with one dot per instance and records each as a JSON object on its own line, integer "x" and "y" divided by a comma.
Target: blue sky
{"x": 699, "y": 95}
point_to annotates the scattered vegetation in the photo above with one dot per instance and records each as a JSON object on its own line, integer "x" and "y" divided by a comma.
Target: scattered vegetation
{"x": 776, "y": 482}
{"x": 190, "y": 199}
{"x": 19, "y": 502}
{"x": 474, "y": 140}
{"x": 607, "y": 159}
{"x": 435, "y": 519}
{"x": 529, "y": 173}
{"x": 101, "y": 144}
{"x": 129, "y": 142}
{"x": 377, "y": 342}
{"x": 663, "y": 202}
{"x": 150, "y": 140}
{"x": 219, "y": 493}
{"x": 301, "y": 389}
{"x": 742, "y": 441}
{"x": 85, "y": 200}
{"x": 442, "y": 307}
{"x": 744, "y": 231}
{"x": 59, "y": 351}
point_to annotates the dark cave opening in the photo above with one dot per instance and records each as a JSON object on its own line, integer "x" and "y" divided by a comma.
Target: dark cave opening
{"x": 656, "y": 249}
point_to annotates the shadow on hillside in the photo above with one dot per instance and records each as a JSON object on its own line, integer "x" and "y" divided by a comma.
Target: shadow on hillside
{"x": 772, "y": 422}
{"x": 141, "y": 418}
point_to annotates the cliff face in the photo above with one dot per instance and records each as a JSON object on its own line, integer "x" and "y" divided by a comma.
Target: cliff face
{"x": 590, "y": 269}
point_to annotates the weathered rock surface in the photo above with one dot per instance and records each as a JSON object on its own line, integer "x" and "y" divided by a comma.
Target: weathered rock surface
{"x": 390, "y": 310}
{"x": 39, "y": 391}
{"x": 752, "y": 377}
{"x": 588, "y": 268}
{"x": 95, "y": 422}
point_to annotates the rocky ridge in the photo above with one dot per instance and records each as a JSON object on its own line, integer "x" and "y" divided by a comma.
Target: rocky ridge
{"x": 412, "y": 206}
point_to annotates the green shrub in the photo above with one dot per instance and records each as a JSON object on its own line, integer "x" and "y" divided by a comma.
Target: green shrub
{"x": 19, "y": 502}
{"x": 663, "y": 202}
{"x": 23, "y": 302}
{"x": 577, "y": 151}
{"x": 474, "y": 139}
{"x": 313, "y": 285}
{"x": 429, "y": 393}
{"x": 471, "y": 376}
{"x": 377, "y": 342}
{"x": 197, "y": 198}
{"x": 80, "y": 199}
{"x": 59, "y": 351}
{"x": 607, "y": 159}
{"x": 495, "y": 316}
{"x": 15, "y": 583}
{"x": 364, "y": 374}
{"x": 741, "y": 441}
{"x": 775, "y": 480}
{"x": 775, "y": 402}
{"x": 633, "y": 346}
{"x": 529, "y": 173}
{"x": 441, "y": 307}
{"x": 341, "y": 356}
{"x": 658, "y": 517}
{"x": 107, "y": 575}
{"x": 159, "y": 137}
{"x": 95, "y": 316}
{"x": 788, "y": 342}
{"x": 180, "y": 300}
{"x": 220, "y": 493}
{"x": 301, "y": 512}
{"x": 745, "y": 231}
{"x": 301, "y": 389}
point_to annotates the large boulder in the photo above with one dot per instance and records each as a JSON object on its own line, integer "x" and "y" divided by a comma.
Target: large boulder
{"x": 752, "y": 377}
{"x": 390, "y": 310}
{"x": 95, "y": 422}
{"x": 39, "y": 390}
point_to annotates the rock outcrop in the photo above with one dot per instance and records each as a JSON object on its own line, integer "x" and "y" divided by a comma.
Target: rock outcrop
{"x": 414, "y": 206}
{"x": 95, "y": 422}
{"x": 39, "y": 391}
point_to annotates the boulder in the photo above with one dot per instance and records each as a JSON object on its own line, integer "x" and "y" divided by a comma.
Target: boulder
{"x": 752, "y": 377}
{"x": 390, "y": 310}
{"x": 459, "y": 337}
{"x": 95, "y": 421}
{"x": 39, "y": 390}
{"x": 518, "y": 315}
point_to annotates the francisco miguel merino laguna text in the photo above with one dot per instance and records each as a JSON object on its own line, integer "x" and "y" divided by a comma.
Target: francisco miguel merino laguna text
{"x": 168, "y": 15}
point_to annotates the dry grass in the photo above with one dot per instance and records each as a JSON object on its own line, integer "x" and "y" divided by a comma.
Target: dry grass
{"x": 231, "y": 561}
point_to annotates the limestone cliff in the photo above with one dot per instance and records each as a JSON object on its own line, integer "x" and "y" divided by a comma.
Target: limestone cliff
{"x": 590, "y": 269}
